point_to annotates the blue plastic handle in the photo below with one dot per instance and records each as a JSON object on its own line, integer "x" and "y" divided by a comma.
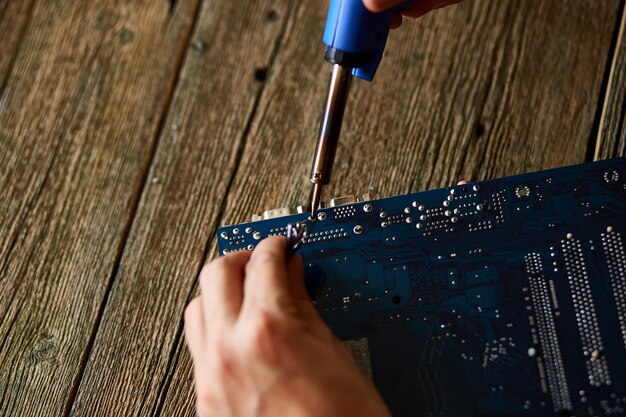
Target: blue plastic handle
{"x": 353, "y": 29}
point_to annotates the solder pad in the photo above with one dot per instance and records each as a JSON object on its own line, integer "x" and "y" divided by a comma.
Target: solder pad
{"x": 502, "y": 297}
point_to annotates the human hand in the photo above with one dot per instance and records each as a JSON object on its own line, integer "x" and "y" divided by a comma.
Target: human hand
{"x": 260, "y": 348}
{"x": 419, "y": 8}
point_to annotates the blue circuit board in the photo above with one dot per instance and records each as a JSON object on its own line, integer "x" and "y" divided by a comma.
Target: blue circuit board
{"x": 498, "y": 298}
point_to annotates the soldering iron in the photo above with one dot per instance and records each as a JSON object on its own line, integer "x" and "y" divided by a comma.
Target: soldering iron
{"x": 355, "y": 40}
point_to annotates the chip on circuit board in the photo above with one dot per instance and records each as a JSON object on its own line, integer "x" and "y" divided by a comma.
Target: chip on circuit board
{"x": 498, "y": 298}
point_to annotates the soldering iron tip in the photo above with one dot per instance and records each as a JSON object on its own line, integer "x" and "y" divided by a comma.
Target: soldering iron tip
{"x": 316, "y": 195}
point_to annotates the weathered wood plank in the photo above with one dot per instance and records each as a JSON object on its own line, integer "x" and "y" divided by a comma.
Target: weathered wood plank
{"x": 611, "y": 140}
{"x": 478, "y": 90}
{"x": 137, "y": 343}
{"x": 14, "y": 18}
{"x": 79, "y": 119}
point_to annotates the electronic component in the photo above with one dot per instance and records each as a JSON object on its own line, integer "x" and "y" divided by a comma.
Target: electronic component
{"x": 275, "y": 213}
{"x": 502, "y": 297}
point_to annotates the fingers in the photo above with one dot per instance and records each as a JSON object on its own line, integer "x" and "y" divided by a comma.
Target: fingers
{"x": 397, "y": 21}
{"x": 295, "y": 278}
{"x": 421, "y": 7}
{"x": 305, "y": 308}
{"x": 266, "y": 281}
{"x": 194, "y": 326}
{"x": 221, "y": 282}
{"x": 244, "y": 283}
{"x": 380, "y": 5}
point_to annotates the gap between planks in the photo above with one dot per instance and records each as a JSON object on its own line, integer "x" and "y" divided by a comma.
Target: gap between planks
{"x": 597, "y": 149}
{"x": 182, "y": 56}
{"x": 604, "y": 98}
{"x": 179, "y": 345}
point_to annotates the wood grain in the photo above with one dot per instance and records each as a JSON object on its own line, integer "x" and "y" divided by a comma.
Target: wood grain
{"x": 478, "y": 90}
{"x": 138, "y": 342}
{"x": 611, "y": 139}
{"x": 14, "y": 18}
{"x": 106, "y": 219}
{"x": 81, "y": 111}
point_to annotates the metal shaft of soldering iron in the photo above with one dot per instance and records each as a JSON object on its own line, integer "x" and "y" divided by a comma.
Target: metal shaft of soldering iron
{"x": 330, "y": 128}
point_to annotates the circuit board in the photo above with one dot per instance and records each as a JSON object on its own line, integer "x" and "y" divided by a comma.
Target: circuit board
{"x": 498, "y": 298}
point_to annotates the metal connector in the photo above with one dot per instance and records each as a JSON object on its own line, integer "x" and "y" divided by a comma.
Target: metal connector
{"x": 272, "y": 214}
{"x": 342, "y": 201}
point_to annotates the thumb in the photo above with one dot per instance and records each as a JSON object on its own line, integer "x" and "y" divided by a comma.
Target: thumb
{"x": 295, "y": 273}
{"x": 306, "y": 308}
{"x": 380, "y": 5}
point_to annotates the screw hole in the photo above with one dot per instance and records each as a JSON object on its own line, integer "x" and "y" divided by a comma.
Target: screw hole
{"x": 396, "y": 299}
{"x": 260, "y": 74}
{"x": 479, "y": 130}
{"x": 272, "y": 16}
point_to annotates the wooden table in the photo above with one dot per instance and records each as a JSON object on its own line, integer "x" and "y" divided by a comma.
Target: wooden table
{"x": 129, "y": 131}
